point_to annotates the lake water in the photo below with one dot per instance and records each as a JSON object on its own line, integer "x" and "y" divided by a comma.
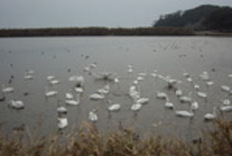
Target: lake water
{"x": 67, "y": 56}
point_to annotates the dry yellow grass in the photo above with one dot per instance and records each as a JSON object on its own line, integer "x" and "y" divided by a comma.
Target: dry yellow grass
{"x": 87, "y": 141}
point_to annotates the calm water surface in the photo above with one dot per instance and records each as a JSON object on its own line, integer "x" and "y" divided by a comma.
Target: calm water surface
{"x": 65, "y": 57}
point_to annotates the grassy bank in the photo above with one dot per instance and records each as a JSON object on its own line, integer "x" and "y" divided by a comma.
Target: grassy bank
{"x": 122, "y": 142}
{"x": 96, "y": 31}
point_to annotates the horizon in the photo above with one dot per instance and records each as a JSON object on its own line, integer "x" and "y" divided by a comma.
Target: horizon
{"x": 25, "y": 14}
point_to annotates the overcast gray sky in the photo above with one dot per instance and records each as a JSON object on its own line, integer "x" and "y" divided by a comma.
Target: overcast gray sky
{"x": 84, "y": 13}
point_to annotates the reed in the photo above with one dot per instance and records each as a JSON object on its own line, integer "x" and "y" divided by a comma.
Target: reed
{"x": 87, "y": 141}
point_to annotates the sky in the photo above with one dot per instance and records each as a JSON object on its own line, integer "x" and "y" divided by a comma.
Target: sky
{"x": 88, "y": 13}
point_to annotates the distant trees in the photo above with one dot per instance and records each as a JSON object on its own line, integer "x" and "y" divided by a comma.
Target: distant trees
{"x": 205, "y": 17}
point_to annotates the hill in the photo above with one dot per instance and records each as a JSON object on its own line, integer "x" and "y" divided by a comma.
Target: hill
{"x": 204, "y": 17}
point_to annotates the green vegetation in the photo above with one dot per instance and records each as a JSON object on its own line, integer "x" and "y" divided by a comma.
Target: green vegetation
{"x": 205, "y": 17}
{"x": 94, "y": 31}
{"x": 123, "y": 142}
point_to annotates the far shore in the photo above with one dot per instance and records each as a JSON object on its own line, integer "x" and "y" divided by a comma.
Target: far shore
{"x": 103, "y": 31}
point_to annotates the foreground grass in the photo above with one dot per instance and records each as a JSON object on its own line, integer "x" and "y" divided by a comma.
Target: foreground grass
{"x": 87, "y": 141}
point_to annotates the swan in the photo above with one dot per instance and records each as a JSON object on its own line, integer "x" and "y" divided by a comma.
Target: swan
{"x": 168, "y": 104}
{"x": 179, "y": 92}
{"x": 226, "y": 102}
{"x": 107, "y": 76}
{"x": 202, "y": 95}
{"x": 93, "y": 116}
{"x": 80, "y": 80}
{"x": 197, "y": 87}
{"x": 7, "y": 89}
{"x": 28, "y": 77}
{"x": 72, "y": 102}
{"x": 114, "y": 107}
{"x": 204, "y": 76}
{"x": 96, "y": 96}
{"x": 54, "y": 82}
{"x": 225, "y": 88}
{"x": 186, "y": 99}
{"x": 226, "y": 108}
{"x": 136, "y": 107}
{"x": 194, "y": 105}
{"x": 161, "y": 95}
{"x": 93, "y": 65}
{"x": 62, "y": 110}
{"x": 50, "y": 77}
{"x": 62, "y": 122}
{"x": 50, "y": 93}
{"x": 210, "y": 116}
{"x": 142, "y": 100}
{"x": 16, "y": 104}
{"x": 184, "y": 113}
{"x": 140, "y": 78}
{"x": 79, "y": 90}
{"x": 116, "y": 80}
{"x": 104, "y": 90}
{"x": 130, "y": 68}
{"x": 210, "y": 83}
{"x": 68, "y": 96}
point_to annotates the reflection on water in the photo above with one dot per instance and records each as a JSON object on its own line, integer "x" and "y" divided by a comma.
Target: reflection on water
{"x": 148, "y": 63}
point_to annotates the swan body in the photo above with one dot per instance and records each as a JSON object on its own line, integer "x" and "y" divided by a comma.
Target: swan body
{"x": 194, "y": 105}
{"x": 210, "y": 83}
{"x": 226, "y": 108}
{"x": 202, "y": 95}
{"x": 161, "y": 95}
{"x": 51, "y": 77}
{"x": 136, "y": 107}
{"x": 226, "y": 102}
{"x": 185, "y": 99}
{"x": 78, "y": 79}
{"x": 7, "y": 89}
{"x": 143, "y": 100}
{"x": 225, "y": 88}
{"x": 114, "y": 107}
{"x": 68, "y": 96}
{"x": 210, "y": 116}
{"x": 197, "y": 87}
{"x": 28, "y": 77}
{"x": 179, "y": 92}
{"x": 184, "y": 113}
{"x": 104, "y": 90}
{"x": 51, "y": 93}
{"x": 93, "y": 116}
{"x": 79, "y": 89}
{"x": 62, "y": 122}
{"x": 96, "y": 96}
{"x": 72, "y": 102}
{"x": 62, "y": 110}
{"x": 16, "y": 104}
{"x": 169, "y": 105}
{"x": 204, "y": 76}
{"x": 54, "y": 82}
{"x": 140, "y": 78}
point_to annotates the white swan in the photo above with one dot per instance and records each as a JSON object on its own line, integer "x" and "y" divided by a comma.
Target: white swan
{"x": 96, "y": 96}
{"x": 79, "y": 90}
{"x": 62, "y": 110}
{"x": 225, "y": 88}
{"x": 194, "y": 105}
{"x": 7, "y": 89}
{"x": 104, "y": 90}
{"x": 226, "y": 108}
{"x": 93, "y": 116}
{"x": 72, "y": 102}
{"x": 68, "y": 96}
{"x": 16, "y": 104}
{"x": 168, "y": 104}
{"x": 184, "y": 113}
{"x": 50, "y": 93}
{"x": 202, "y": 95}
{"x": 50, "y": 77}
{"x": 80, "y": 80}
{"x": 114, "y": 107}
{"x": 186, "y": 99}
{"x": 210, "y": 116}
{"x": 136, "y": 107}
{"x": 226, "y": 102}
{"x": 62, "y": 122}
{"x": 161, "y": 95}
{"x": 142, "y": 100}
{"x": 179, "y": 92}
{"x": 54, "y": 82}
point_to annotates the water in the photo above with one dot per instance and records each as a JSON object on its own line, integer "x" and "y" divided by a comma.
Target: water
{"x": 67, "y": 56}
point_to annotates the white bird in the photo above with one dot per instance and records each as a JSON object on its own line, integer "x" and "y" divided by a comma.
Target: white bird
{"x": 136, "y": 107}
{"x": 79, "y": 90}
{"x": 161, "y": 95}
{"x": 68, "y": 96}
{"x": 210, "y": 83}
{"x": 186, "y": 99}
{"x": 226, "y": 108}
{"x": 16, "y": 104}
{"x": 179, "y": 92}
{"x": 51, "y": 77}
{"x": 194, "y": 105}
{"x": 204, "y": 76}
{"x": 140, "y": 78}
{"x": 105, "y": 90}
{"x": 114, "y": 107}
{"x": 225, "y": 88}
{"x": 28, "y": 77}
{"x": 54, "y": 82}
{"x": 62, "y": 122}
{"x": 226, "y": 102}
{"x": 96, "y": 96}
{"x": 72, "y": 102}
{"x": 197, "y": 87}
{"x": 184, "y": 113}
{"x": 142, "y": 100}
{"x": 62, "y": 110}
{"x": 202, "y": 95}
{"x": 80, "y": 80}
{"x": 51, "y": 93}
{"x": 210, "y": 116}
{"x": 7, "y": 89}
{"x": 168, "y": 104}
{"x": 93, "y": 116}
